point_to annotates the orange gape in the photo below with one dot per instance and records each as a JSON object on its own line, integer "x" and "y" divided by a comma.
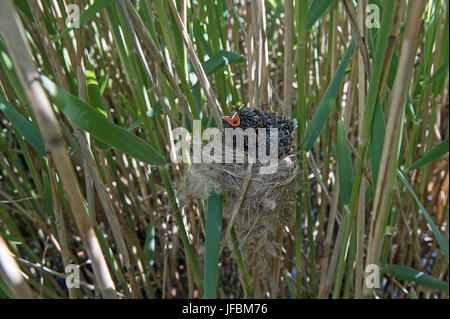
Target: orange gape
{"x": 235, "y": 121}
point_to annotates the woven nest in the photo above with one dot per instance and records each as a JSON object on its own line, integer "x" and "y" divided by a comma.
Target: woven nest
{"x": 267, "y": 206}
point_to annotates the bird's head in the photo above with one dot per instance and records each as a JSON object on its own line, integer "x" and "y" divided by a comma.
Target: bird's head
{"x": 234, "y": 121}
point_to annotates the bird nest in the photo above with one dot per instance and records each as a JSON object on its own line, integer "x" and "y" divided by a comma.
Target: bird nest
{"x": 262, "y": 202}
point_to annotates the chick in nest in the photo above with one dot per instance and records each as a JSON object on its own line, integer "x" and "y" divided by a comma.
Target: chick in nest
{"x": 249, "y": 117}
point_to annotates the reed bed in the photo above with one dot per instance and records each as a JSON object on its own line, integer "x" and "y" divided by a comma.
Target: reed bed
{"x": 90, "y": 92}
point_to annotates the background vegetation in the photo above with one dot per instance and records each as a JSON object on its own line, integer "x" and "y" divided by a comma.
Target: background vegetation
{"x": 86, "y": 115}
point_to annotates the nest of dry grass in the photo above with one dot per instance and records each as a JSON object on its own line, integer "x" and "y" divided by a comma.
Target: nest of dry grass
{"x": 267, "y": 205}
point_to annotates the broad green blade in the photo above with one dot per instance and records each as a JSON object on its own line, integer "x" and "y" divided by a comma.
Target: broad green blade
{"x": 435, "y": 153}
{"x": 23, "y": 126}
{"x": 377, "y": 140}
{"x": 23, "y": 6}
{"x": 415, "y": 276}
{"x": 345, "y": 164}
{"x": 327, "y": 102}
{"x": 200, "y": 33}
{"x": 442, "y": 242}
{"x": 212, "y": 243}
{"x": 95, "y": 123}
{"x": 135, "y": 124}
{"x": 221, "y": 60}
{"x": 48, "y": 200}
{"x": 217, "y": 62}
{"x": 5, "y": 290}
{"x": 316, "y": 10}
{"x": 409, "y": 109}
{"x": 95, "y": 98}
{"x": 289, "y": 283}
{"x": 155, "y": 110}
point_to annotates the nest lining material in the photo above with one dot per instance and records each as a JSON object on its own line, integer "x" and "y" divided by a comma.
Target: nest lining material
{"x": 267, "y": 206}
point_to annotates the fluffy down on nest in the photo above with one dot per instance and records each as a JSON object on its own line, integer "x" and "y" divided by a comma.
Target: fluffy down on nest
{"x": 267, "y": 206}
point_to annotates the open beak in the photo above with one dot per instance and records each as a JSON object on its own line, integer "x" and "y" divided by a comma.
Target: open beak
{"x": 234, "y": 121}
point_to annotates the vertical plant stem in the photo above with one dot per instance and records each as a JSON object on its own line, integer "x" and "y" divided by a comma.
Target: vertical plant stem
{"x": 288, "y": 56}
{"x": 375, "y": 76}
{"x": 11, "y": 28}
{"x": 396, "y": 109}
{"x": 301, "y": 8}
{"x": 212, "y": 101}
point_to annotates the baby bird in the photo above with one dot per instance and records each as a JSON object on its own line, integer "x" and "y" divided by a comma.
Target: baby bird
{"x": 249, "y": 117}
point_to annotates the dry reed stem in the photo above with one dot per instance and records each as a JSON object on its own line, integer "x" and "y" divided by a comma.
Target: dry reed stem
{"x": 263, "y": 58}
{"x": 360, "y": 227}
{"x": 123, "y": 11}
{"x": 251, "y": 55}
{"x": 328, "y": 272}
{"x": 54, "y": 61}
{"x": 9, "y": 269}
{"x": 59, "y": 221}
{"x": 288, "y": 57}
{"x": 237, "y": 206}
{"x": 348, "y": 6}
{"x": 388, "y": 158}
{"x": 392, "y": 40}
{"x": 156, "y": 56}
{"x": 93, "y": 176}
{"x": 11, "y": 28}
{"x": 51, "y": 272}
{"x": 203, "y": 79}
{"x": 81, "y": 82}
{"x": 276, "y": 264}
